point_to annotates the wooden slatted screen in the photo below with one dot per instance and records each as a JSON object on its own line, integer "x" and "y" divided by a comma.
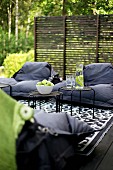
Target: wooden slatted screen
{"x": 65, "y": 41}
{"x": 49, "y": 41}
{"x": 80, "y": 41}
{"x": 106, "y": 38}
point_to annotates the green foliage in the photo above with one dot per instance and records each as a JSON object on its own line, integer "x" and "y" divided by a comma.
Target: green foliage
{"x": 50, "y": 7}
{"x": 10, "y": 46}
{"x": 75, "y": 7}
{"x": 13, "y": 62}
{"x": 32, "y": 8}
{"x": 3, "y": 37}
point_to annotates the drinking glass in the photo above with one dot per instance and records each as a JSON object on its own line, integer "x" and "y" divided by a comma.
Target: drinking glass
{"x": 73, "y": 80}
{"x": 68, "y": 81}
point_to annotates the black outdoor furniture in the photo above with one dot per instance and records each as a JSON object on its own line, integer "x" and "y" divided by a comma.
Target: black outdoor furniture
{"x": 81, "y": 90}
{"x": 98, "y": 76}
{"x": 41, "y": 98}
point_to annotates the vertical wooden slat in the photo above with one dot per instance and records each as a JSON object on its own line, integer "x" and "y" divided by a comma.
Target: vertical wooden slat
{"x": 97, "y": 40}
{"x": 35, "y": 38}
{"x": 64, "y": 50}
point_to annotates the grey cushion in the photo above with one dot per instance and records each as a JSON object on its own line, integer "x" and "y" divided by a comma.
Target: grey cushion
{"x": 33, "y": 71}
{"x": 10, "y": 81}
{"x": 25, "y": 86}
{"x": 64, "y": 122}
{"x": 98, "y": 73}
{"x": 22, "y": 87}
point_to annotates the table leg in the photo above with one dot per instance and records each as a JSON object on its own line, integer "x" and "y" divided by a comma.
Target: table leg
{"x": 60, "y": 104}
{"x": 93, "y": 102}
{"x": 80, "y": 102}
{"x": 10, "y": 90}
{"x": 57, "y": 104}
{"x": 72, "y": 102}
{"x": 34, "y": 102}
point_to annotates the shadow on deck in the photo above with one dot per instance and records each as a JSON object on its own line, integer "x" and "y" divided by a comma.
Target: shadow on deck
{"x": 100, "y": 159}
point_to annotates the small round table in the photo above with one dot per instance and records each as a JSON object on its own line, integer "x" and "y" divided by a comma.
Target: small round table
{"x": 35, "y": 95}
{"x": 72, "y": 89}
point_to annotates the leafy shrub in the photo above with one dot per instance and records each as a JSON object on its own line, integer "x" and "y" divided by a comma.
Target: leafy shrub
{"x": 13, "y": 62}
{"x": 9, "y": 46}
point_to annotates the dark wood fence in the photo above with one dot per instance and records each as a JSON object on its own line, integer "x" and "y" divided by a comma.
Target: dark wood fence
{"x": 66, "y": 40}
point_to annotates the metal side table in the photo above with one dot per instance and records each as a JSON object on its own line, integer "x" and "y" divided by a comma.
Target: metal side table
{"x": 73, "y": 89}
{"x": 36, "y": 96}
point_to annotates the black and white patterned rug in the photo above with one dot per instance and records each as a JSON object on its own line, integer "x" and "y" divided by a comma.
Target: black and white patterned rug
{"x": 103, "y": 120}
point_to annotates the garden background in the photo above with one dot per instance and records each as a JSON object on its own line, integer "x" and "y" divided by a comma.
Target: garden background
{"x": 17, "y": 25}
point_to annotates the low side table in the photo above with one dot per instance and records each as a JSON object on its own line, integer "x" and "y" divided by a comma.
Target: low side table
{"x": 35, "y": 95}
{"x": 85, "y": 88}
{"x": 2, "y": 85}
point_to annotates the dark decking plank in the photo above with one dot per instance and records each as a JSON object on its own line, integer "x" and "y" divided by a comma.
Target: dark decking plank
{"x": 96, "y": 160}
{"x": 107, "y": 162}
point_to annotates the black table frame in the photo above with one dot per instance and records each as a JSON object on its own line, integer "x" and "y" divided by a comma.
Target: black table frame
{"x": 72, "y": 89}
{"x": 35, "y": 95}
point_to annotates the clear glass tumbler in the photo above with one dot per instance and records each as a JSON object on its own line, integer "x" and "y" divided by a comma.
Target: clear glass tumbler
{"x": 68, "y": 81}
{"x": 73, "y": 80}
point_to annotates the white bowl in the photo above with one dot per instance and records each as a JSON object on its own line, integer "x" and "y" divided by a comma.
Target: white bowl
{"x": 44, "y": 89}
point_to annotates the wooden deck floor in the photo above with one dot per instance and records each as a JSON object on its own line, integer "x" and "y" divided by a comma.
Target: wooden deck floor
{"x": 100, "y": 159}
